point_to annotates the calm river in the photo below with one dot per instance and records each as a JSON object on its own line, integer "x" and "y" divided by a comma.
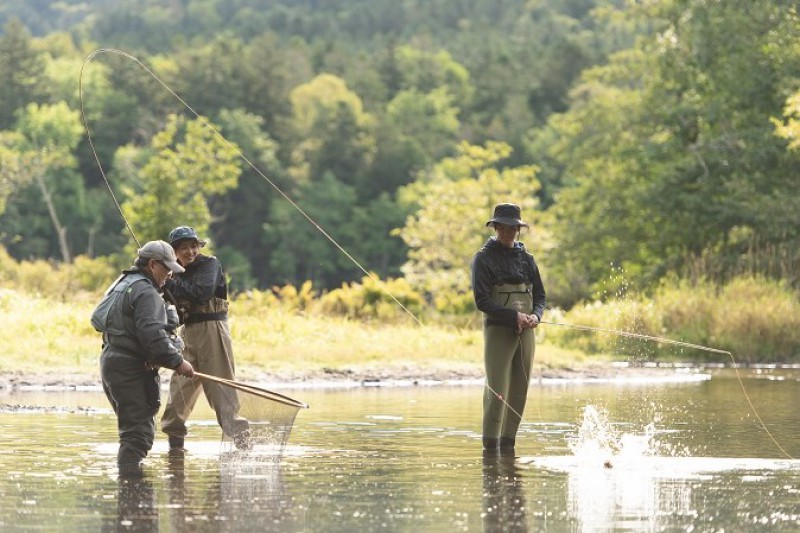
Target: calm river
{"x": 645, "y": 456}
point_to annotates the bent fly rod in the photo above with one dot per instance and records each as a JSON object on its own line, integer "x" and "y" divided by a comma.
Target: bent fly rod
{"x": 233, "y": 146}
{"x": 341, "y": 249}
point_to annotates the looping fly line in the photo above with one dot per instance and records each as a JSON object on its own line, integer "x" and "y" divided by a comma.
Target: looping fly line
{"x": 665, "y": 340}
{"x": 260, "y": 419}
{"x": 346, "y": 253}
{"x": 233, "y": 147}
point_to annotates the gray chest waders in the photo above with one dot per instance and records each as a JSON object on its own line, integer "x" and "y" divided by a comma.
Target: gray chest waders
{"x": 507, "y": 358}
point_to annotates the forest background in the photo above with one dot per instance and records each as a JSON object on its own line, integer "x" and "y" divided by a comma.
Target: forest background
{"x": 654, "y": 147}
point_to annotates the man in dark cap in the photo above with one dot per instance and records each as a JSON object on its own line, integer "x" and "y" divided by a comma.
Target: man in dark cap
{"x": 133, "y": 319}
{"x": 508, "y": 288}
{"x": 201, "y": 293}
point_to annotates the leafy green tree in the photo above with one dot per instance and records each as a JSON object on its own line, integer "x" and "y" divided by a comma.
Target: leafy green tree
{"x": 300, "y": 251}
{"x": 11, "y": 165}
{"x": 428, "y": 122}
{"x": 426, "y": 72}
{"x": 332, "y": 132}
{"x": 667, "y": 152}
{"x": 186, "y": 164}
{"x": 453, "y": 201}
{"x": 111, "y": 115}
{"x": 41, "y": 154}
{"x": 22, "y": 70}
{"x": 789, "y": 128}
{"x": 240, "y": 213}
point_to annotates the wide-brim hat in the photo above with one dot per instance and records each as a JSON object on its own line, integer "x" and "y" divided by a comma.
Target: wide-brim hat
{"x": 161, "y": 251}
{"x": 182, "y": 233}
{"x": 508, "y": 214}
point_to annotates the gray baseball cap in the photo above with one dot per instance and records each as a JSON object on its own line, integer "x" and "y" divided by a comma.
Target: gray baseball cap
{"x": 161, "y": 251}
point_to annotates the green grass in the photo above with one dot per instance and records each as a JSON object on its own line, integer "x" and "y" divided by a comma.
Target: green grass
{"x": 47, "y": 336}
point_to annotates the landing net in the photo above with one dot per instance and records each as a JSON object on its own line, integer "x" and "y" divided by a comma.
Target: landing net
{"x": 262, "y": 420}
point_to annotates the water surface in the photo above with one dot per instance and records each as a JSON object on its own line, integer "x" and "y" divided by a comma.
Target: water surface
{"x": 661, "y": 456}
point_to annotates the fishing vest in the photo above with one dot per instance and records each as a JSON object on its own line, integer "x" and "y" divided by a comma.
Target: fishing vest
{"x": 214, "y": 309}
{"x": 517, "y": 296}
{"x": 111, "y": 300}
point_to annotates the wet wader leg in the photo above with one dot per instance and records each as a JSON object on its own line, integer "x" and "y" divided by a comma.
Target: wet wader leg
{"x": 215, "y": 357}
{"x": 500, "y": 344}
{"x": 126, "y": 382}
{"x": 183, "y": 394}
{"x": 519, "y": 380}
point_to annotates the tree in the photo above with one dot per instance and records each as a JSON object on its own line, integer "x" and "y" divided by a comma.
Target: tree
{"x": 47, "y": 136}
{"x": 186, "y": 164}
{"x": 668, "y": 154}
{"x": 240, "y": 213}
{"x": 299, "y": 251}
{"x": 453, "y": 201}
{"x": 332, "y": 132}
{"x": 428, "y": 122}
{"x": 426, "y": 72}
{"x": 22, "y": 69}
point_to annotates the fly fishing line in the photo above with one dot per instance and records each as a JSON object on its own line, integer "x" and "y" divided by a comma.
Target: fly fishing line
{"x": 233, "y": 147}
{"x": 260, "y": 419}
{"x": 347, "y": 254}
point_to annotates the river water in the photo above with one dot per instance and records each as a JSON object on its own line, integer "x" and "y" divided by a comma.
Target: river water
{"x": 685, "y": 454}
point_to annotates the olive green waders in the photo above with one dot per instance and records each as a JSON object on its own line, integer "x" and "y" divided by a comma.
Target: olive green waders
{"x": 507, "y": 356}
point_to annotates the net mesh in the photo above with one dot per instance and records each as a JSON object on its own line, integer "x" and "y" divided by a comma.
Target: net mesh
{"x": 261, "y": 420}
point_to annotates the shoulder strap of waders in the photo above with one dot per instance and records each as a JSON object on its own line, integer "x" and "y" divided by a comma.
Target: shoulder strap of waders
{"x": 101, "y": 313}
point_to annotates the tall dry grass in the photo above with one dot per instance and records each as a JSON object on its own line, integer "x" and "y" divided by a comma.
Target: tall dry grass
{"x": 45, "y": 335}
{"x": 758, "y": 320}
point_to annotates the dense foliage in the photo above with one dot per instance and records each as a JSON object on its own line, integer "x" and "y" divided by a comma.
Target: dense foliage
{"x": 643, "y": 139}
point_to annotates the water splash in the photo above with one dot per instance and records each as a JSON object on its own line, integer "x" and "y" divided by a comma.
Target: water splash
{"x": 599, "y": 442}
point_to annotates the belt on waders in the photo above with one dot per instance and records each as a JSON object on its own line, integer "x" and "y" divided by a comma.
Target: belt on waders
{"x": 206, "y": 317}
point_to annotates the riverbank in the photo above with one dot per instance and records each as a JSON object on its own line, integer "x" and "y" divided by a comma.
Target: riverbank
{"x": 603, "y": 371}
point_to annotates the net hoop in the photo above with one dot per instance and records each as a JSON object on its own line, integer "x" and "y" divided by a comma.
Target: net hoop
{"x": 258, "y": 391}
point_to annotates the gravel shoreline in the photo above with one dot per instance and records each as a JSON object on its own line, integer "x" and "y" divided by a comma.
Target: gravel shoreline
{"x": 339, "y": 378}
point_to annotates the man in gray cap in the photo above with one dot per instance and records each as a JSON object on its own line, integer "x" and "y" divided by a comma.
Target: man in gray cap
{"x": 136, "y": 342}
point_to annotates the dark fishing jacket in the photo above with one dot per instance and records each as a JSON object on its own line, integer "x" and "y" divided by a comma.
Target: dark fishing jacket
{"x": 139, "y": 323}
{"x": 495, "y": 264}
{"x": 201, "y": 292}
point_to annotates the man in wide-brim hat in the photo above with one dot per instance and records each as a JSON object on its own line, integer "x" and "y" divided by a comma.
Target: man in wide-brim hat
{"x": 508, "y": 289}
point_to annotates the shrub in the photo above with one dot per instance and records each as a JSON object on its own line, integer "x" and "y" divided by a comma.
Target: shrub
{"x": 91, "y": 275}
{"x": 373, "y": 299}
{"x": 755, "y": 319}
{"x": 758, "y": 320}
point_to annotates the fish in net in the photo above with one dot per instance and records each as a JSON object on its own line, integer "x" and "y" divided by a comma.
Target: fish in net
{"x": 262, "y": 421}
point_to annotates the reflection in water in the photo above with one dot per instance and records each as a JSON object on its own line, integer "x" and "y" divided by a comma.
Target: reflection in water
{"x": 681, "y": 459}
{"x": 253, "y": 495}
{"x": 503, "y": 495}
{"x": 245, "y": 493}
{"x": 612, "y": 484}
{"x": 136, "y": 506}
